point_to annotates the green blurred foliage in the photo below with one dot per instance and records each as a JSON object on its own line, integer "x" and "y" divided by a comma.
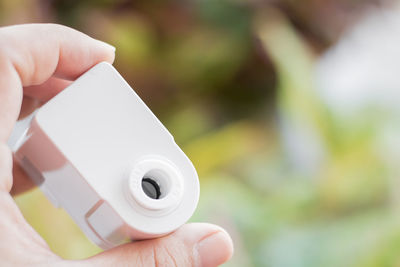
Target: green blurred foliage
{"x": 225, "y": 77}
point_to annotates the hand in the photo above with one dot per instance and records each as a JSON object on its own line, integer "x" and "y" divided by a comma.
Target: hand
{"x": 36, "y": 62}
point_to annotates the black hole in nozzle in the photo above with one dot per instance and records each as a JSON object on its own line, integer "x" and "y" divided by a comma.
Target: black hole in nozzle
{"x": 151, "y": 188}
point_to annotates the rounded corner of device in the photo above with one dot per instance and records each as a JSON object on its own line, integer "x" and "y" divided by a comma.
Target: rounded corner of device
{"x": 102, "y": 68}
{"x": 104, "y": 65}
{"x": 192, "y": 168}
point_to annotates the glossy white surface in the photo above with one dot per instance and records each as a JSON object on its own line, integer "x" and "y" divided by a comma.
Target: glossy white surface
{"x": 92, "y": 143}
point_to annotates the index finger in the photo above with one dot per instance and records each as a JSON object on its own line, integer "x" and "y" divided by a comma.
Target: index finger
{"x": 32, "y": 53}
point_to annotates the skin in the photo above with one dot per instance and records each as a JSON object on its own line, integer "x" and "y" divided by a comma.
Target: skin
{"x": 36, "y": 62}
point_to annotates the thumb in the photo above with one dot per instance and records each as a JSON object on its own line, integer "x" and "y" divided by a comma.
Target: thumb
{"x": 196, "y": 244}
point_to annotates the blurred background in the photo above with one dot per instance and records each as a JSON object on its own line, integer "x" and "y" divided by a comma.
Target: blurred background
{"x": 290, "y": 111}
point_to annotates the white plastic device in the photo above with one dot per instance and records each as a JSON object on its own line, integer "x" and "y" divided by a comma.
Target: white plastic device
{"x": 97, "y": 151}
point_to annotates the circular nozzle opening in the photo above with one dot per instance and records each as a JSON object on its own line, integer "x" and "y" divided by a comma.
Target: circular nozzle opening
{"x": 151, "y": 188}
{"x": 155, "y": 184}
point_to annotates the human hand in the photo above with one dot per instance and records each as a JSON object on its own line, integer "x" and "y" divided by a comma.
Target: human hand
{"x": 36, "y": 62}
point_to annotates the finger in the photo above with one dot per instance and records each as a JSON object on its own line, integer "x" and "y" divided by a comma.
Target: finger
{"x": 20, "y": 245}
{"x": 11, "y": 97}
{"x": 30, "y": 54}
{"x": 5, "y": 168}
{"x": 15, "y": 232}
{"x": 196, "y": 244}
{"x": 47, "y": 90}
{"x": 37, "y": 51}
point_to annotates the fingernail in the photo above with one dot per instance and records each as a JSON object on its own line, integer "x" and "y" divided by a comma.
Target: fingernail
{"x": 108, "y": 45}
{"x": 214, "y": 249}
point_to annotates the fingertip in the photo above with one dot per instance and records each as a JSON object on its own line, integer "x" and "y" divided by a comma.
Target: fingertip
{"x": 109, "y": 51}
{"x": 212, "y": 245}
{"x": 214, "y": 249}
{"x": 108, "y": 46}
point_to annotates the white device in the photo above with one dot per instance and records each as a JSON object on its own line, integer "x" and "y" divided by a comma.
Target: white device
{"x": 98, "y": 151}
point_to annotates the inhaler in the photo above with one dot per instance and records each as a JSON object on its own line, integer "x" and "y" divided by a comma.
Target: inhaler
{"x": 98, "y": 151}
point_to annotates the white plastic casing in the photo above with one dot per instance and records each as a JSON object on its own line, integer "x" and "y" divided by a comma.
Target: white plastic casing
{"x": 89, "y": 148}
